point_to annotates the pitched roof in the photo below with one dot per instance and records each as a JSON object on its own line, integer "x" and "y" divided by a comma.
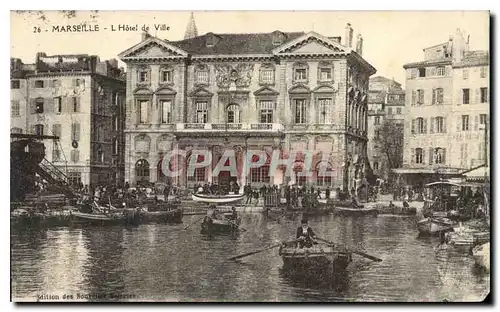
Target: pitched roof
{"x": 443, "y": 61}
{"x": 260, "y": 43}
{"x": 474, "y": 58}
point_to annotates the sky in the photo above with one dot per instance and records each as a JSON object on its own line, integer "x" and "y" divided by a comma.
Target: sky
{"x": 391, "y": 38}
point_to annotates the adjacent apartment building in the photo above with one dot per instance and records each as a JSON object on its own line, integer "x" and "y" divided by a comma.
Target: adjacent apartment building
{"x": 386, "y": 103}
{"x": 263, "y": 91}
{"x": 82, "y": 101}
{"x": 447, "y": 102}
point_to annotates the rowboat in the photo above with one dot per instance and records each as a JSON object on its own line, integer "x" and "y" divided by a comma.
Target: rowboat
{"x": 169, "y": 216}
{"x": 317, "y": 260}
{"x": 105, "y": 219}
{"x": 434, "y": 226}
{"x": 217, "y": 199}
{"x": 211, "y": 225}
{"x": 356, "y": 211}
{"x": 481, "y": 255}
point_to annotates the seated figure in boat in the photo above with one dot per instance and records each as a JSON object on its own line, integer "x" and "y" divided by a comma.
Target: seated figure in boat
{"x": 305, "y": 235}
{"x": 234, "y": 214}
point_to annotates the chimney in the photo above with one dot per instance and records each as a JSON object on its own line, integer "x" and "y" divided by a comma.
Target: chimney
{"x": 359, "y": 45}
{"x": 458, "y": 46}
{"x": 348, "y": 35}
{"x": 145, "y": 35}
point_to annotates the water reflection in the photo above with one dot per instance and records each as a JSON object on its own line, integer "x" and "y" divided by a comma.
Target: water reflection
{"x": 168, "y": 262}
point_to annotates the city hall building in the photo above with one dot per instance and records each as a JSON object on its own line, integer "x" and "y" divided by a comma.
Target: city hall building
{"x": 266, "y": 91}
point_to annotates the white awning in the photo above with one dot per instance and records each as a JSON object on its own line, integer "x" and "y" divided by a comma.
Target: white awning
{"x": 480, "y": 172}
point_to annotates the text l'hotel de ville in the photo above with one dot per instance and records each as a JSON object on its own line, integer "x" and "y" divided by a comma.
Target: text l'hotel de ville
{"x": 95, "y": 28}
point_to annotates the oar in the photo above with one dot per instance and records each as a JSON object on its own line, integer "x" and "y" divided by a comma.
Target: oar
{"x": 256, "y": 251}
{"x": 197, "y": 220}
{"x": 354, "y": 251}
{"x": 239, "y": 228}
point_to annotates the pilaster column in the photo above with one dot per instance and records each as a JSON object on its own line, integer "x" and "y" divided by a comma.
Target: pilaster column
{"x": 211, "y": 165}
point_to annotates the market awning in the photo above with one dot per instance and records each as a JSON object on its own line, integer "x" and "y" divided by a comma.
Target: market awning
{"x": 477, "y": 173}
{"x": 412, "y": 170}
{"x": 442, "y": 183}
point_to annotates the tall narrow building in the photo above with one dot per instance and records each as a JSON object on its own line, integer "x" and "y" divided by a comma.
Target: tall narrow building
{"x": 191, "y": 30}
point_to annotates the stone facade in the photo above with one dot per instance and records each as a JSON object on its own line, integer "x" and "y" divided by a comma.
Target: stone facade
{"x": 82, "y": 101}
{"x": 385, "y": 104}
{"x": 447, "y": 101}
{"x": 267, "y": 92}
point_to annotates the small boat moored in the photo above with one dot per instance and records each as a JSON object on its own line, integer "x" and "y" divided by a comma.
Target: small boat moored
{"x": 481, "y": 256}
{"x": 356, "y": 211}
{"x": 217, "y": 199}
{"x": 434, "y": 226}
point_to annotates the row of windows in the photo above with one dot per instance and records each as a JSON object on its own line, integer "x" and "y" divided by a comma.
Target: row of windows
{"x": 39, "y": 129}
{"x": 464, "y": 122}
{"x": 481, "y": 94}
{"x": 423, "y": 72}
{"x": 436, "y": 156}
{"x": 438, "y": 124}
{"x": 55, "y": 105}
{"x": 257, "y": 175}
{"x": 40, "y": 84}
{"x": 427, "y": 72}
{"x": 300, "y": 110}
{"x": 418, "y": 96}
{"x": 398, "y": 110}
{"x": 483, "y": 72}
{"x": 267, "y": 76}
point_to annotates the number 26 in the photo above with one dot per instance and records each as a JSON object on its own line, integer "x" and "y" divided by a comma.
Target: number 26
{"x": 36, "y": 29}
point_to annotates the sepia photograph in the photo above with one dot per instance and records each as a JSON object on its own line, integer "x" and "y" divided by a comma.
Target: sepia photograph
{"x": 250, "y": 156}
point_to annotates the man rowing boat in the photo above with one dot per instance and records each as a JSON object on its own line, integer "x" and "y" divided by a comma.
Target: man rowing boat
{"x": 305, "y": 235}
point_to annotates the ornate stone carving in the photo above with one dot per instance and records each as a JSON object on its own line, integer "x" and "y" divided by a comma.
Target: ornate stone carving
{"x": 241, "y": 75}
{"x": 244, "y": 75}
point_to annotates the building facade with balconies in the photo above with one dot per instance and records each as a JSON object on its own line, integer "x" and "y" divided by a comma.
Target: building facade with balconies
{"x": 447, "y": 102}
{"x": 268, "y": 92}
{"x": 82, "y": 101}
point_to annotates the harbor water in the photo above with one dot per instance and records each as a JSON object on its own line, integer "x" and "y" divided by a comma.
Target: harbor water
{"x": 159, "y": 262}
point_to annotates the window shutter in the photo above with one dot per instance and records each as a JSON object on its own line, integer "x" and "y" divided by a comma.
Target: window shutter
{"x": 412, "y": 155}
{"x": 33, "y": 129}
{"x": 73, "y": 83}
{"x": 431, "y": 154}
{"x": 476, "y": 122}
{"x": 425, "y": 125}
{"x": 413, "y": 97}
{"x": 423, "y": 156}
{"x": 444, "y": 124}
{"x": 460, "y": 97}
{"x": 434, "y": 96}
{"x": 466, "y": 152}
{"x": 413, "y": 126}
{"x": 77, "y": 99}
{"x": 422, "y": 97}
{"x": 56, "y": 107}
{"x": 443, "y": 160}
{"x": 432, "y": 124}
{"x": 77, "y": 132}
{"x": 461, "y": 155}
{"x": 459, "y": 123}
{"x": 32, "y": 106}
{"x": 48, "y": 105}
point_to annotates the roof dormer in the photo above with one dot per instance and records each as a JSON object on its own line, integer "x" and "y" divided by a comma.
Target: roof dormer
{"x": 211, "y": 39}
{"x": 278, "y": 37}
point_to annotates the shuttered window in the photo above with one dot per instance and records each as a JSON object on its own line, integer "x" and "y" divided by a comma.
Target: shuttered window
{"x": 75, "y": 131}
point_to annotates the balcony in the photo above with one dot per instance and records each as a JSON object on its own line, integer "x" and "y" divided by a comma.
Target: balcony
{"x": 315, "y": 127}
{"x": 233, "y": 127}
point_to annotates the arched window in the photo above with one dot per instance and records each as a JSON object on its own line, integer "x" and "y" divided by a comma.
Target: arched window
{"x": 233, "y": 113}
{"x": 142, "y": 170}
{"x": 323, "y": 176}
{"x": 420, "y": 125}
{"x": 298, "y": 167}
{"x": 199, "y": 173}
{"x": 419, "y": 156}
{"x": 260, "y": 174}
{"x": 439, "y": 155}
{"x": 161, "y": 176}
